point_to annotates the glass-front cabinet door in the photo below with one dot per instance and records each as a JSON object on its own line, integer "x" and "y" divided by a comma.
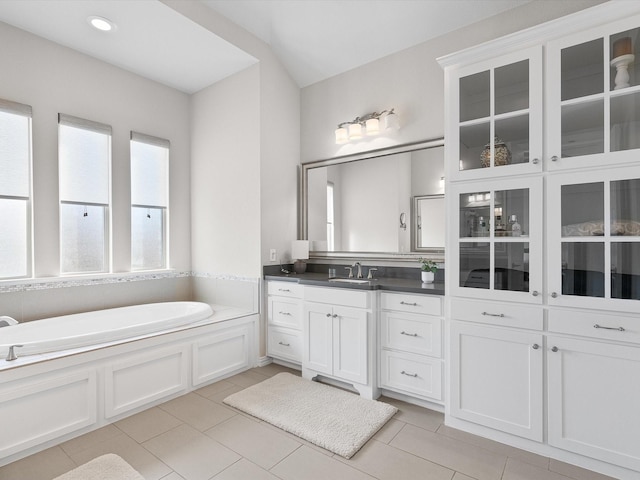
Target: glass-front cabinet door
{"x": 594, "y": 239}
{"x": 593, "y": 97}
{"x": 496, "y": 107}
{"x": 499, "y": 230}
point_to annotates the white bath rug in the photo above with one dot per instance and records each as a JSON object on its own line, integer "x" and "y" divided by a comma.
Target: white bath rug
{"x": 333, "y": 419}
{"x": 106, "y": 467}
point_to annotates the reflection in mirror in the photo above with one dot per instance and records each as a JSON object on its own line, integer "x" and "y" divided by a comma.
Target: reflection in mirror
{"x": 360, "y": 204}
{"x": 428, "y": 212}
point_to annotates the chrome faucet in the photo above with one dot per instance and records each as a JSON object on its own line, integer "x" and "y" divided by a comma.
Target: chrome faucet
{"x": 11, "y": 356}
{"x": 357, "y": 264}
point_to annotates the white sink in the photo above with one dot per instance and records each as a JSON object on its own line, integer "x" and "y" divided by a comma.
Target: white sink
{"x": 348, "y": 280}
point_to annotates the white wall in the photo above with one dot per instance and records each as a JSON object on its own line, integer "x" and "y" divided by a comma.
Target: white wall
{"x": 225, "y": 184}
{"x": 54, "y": 79}
{"x": 410, "y": 80}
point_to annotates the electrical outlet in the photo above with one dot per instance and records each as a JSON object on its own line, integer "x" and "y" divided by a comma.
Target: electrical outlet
{"x": 272, "y": 255}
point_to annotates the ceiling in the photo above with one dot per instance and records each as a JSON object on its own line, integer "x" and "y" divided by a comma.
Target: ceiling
{"x": 314, "y": 39}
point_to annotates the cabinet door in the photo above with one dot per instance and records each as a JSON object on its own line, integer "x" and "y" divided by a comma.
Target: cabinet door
{"x": 593, "y": 93}
{"x": 594, "y": 395}
{"x": 498, "y": 252}
{"x": 594, "y": 239}
{"x": 318, "y": 337}
{"x": 495, "y": 117}
{"x": 496, "y": 378}
{"x": 350, "y": 344}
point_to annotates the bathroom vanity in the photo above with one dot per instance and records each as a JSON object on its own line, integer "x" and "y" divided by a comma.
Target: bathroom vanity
{"x": 376, "y": 336}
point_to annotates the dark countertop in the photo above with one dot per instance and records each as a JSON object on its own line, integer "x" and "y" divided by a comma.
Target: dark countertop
{"x": 387, "y": 284}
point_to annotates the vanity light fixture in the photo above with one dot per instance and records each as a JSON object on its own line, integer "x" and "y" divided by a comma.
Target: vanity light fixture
{"x": 368, "y": 125}
{"x": 101, "y": 23}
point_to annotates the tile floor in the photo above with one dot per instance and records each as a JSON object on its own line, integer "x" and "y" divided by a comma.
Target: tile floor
{"x": 196, "y": 437}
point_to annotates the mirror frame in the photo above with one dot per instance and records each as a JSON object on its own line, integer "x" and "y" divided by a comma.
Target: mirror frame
{"x": 303, "y": 189}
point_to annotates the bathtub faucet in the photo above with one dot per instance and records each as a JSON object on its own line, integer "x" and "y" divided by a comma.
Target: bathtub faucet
{"x": 11, "y": 356}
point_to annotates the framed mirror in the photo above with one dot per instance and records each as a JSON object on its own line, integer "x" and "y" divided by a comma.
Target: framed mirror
{"x": 385, "y": 204}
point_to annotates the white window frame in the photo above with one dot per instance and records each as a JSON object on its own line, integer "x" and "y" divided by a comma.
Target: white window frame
{"x": 97, "y": 127}
{"x": 15, "y": 108}
{"x": 159, "y": 142}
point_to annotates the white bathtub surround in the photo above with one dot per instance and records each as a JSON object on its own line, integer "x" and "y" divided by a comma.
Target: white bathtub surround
{"x": 65, "y": 394}
{"x": 238, "y": 291}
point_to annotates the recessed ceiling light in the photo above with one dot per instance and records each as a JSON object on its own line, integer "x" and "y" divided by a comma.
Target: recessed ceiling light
{"x": 101, "y": 23}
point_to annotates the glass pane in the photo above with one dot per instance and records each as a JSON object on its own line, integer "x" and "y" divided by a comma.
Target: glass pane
{"x": 512, "y": 145}
{"x": 582, "y": 209}
{"x": 15, "y": 146}
{"x": 512, "y": 87}
{"x": 473, "y": 142}
{"x": 149, "y": 174}
{"x": 82, "y": 238}
{"x": 625, "y": 122}
{"x": 84, "y": 165}
{"x": 625, "y": 270}
{"x": 14, "y": 242}
{"x": 583, "y": 129}
{"x": 511, "y": 270}
{"x": 475, "y": 214}
{"x": 582, "y": 69}
{"x": 147, "y": 238}
{"x": 474, "y": 265}
{"x": 583, "y": 269}
{"x": 625, "y": 71}
{"x": 625, "y": 207}
{"x": 511, "y": 211}
{"x": 474, "y": 96}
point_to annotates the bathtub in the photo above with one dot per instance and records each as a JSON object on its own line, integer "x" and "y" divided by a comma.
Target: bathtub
{"x": 99, "y": 327}
{"x": 77, "y": 373}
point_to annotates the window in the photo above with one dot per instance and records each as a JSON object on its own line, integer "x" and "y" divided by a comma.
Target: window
{"x": 84, "y": 158}
{"x": 15, "y": 190}
{"x": 149, "y": 201}
{"x": 330, "y": 220}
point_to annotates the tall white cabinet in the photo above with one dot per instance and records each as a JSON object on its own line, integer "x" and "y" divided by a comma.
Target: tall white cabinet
{"x": 543, "y": 251}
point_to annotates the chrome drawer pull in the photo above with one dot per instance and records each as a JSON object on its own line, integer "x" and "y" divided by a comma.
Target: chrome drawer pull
{"x": 487, "y": 314}
{"x": 284, "y": 344}
{"x": 609, "y": 328}
{"x": 414, "y": 375}
{"x": 407, "y": 303}
{"x": 408, "y": 334}
{"x": 284, "y": 313}
{"x": 284, "y": 290}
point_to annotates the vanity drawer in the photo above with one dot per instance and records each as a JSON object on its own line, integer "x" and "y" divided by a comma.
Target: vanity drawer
{"x": 498, "y": 313}
{"x": 411, "y": 333}
{"x": 285, "y": 289}
{"x": 285, "y": 312}
{"x": 405, "y": 302}
{"x": 411, "y": 373}
{"x": 574, "y": 322}
{"x": 285, "y": 344}
{"x": 338, "y": 296}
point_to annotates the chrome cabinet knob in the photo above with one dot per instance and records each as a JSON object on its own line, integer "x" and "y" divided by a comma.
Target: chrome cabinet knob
{"x": 554, "y": 158}
{"x": 535, "y": 161}
{"x": 554, "y": 295}
{"x": 535, "y": 293}
{"x": 554, "y": 349}
{"x": 535, "y": 346}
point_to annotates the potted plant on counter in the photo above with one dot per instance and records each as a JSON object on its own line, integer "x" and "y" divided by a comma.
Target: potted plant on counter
{"x": 429, "y": 269}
